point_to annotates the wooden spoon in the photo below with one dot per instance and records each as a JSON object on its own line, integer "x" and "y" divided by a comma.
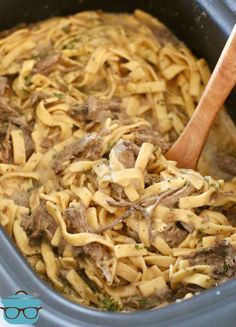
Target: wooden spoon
{"x": 187, "y": 149}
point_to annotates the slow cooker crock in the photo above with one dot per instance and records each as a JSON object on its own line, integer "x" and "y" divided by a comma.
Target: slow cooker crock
{"x": 204, "y": 26}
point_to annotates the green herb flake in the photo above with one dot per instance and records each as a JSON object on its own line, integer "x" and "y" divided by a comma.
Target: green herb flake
{"x": 110, "y": 304}
{"x": 59, "y": 95}
{"x": 226, "y": 267}
{"x": 201, "y": 233}
{"x": 28, "y": 80}
{"x": 207, "y": 179}
{"x": 139, "y": 247}
{"x": 189, "y": 215}
{"x": 70, "y": 46}
{"x": 217, "y": 186}
{"x": 143, "y": 301}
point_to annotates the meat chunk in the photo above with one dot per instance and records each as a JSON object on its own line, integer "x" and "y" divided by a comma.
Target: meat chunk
{"x": 173, "y": 234}
{"x": 10, "y": 114}
{"x": 126, "y": 153}
{"x": 21, "y": 198}
{"x": 117, "y": 192}
{"x": 6, "y": 154}
{"x": 133, "y": 234}
{"x": 36, "y": 97}
{"x": 230, "y": 213}
{"x": 149, "y": 135}
{"x": 182, "y": 290}
{"x": 76, "y": 222}
{"x": 226, "y": 163}
{"x": 29, "y": 144}
{"x": 221, "y": 257}
{"x": 5, "y": 144}
{"x": 151, "y": 178}
{"x": 97, "y": 110}
{"x": 45, "y": 65}
{"x": 39, "y": 225}
{"x": 3, "y": 84}
{"x": 89, "y": 147}
{"x": 101, "y": 257}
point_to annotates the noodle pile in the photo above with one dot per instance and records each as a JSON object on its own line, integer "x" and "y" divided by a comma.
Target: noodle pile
{"x": 88, "y": 104}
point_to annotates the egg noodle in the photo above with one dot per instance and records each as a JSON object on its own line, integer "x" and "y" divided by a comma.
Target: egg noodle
{"x": 89, "y": 104}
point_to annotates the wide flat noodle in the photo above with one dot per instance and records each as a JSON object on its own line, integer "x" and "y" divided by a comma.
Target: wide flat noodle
{"x": 51, "y": 266}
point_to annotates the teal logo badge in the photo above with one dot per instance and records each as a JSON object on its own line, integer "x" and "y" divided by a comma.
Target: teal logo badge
{"x": 21, "y": 308}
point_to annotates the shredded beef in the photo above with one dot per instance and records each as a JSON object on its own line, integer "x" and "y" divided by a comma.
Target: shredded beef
{"x": 183, "y": 290}
{"x": 150, "y": 179}
{"x": 227, "y": 163}
{"x": 10, "y": 114}
{"x": 39, "y": 225}
{"x": 126, "y": 153}
{"x": 133, "y": 234}
{"x": 61, "y": 247}
{"x": 6, "y": 153}
{"x": 29, "y": 144}
{"x": 36, "y": 97}
{"x": 46, "y": 65}
{"x": 97, "y": 110}
{"x": 5, "y": 144}
{"x": 47, "y": 143}
{"x": 231, "y": 215}
{"x": 76, "y": 222}
{"x": 3, "y": 85}
{"x": 21, "y": 198}
{"x": 89, "y": 147}
{"x": 221, "y": 257}
{"x": 173, "y": 234}
{"x": 149, "y": 135}
{"x": 117, "y": 192}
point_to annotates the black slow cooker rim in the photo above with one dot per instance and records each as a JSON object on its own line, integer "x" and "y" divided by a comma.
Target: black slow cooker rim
{"x": 60, "y": 312}
{"x": 199, "y": 305}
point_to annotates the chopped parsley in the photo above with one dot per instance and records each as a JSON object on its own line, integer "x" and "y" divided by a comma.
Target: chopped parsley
{"x": 189, "y": 215}
{"x": 139, "y": 247}
{"x": 59, "y": 95}
{"x": 212, "y": 183}
{"x": 28, "y": 80}
{"x": 70, "y": 45}
{"x": 201, "y": 230}
{"x": 143, "y": 301}
{"x": 207, "y": 179}
{"x": 110, "y": 304}
{"x": 201, "y": 233}
{"x": 226, "y": 266}
{"x": 215, "y": 185}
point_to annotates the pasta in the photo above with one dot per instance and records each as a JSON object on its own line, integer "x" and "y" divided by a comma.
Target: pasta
{"x": 89, "y": 104}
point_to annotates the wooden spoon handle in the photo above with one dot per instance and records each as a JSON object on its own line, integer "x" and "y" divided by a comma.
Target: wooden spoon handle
{"x": 187, "y": 149}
